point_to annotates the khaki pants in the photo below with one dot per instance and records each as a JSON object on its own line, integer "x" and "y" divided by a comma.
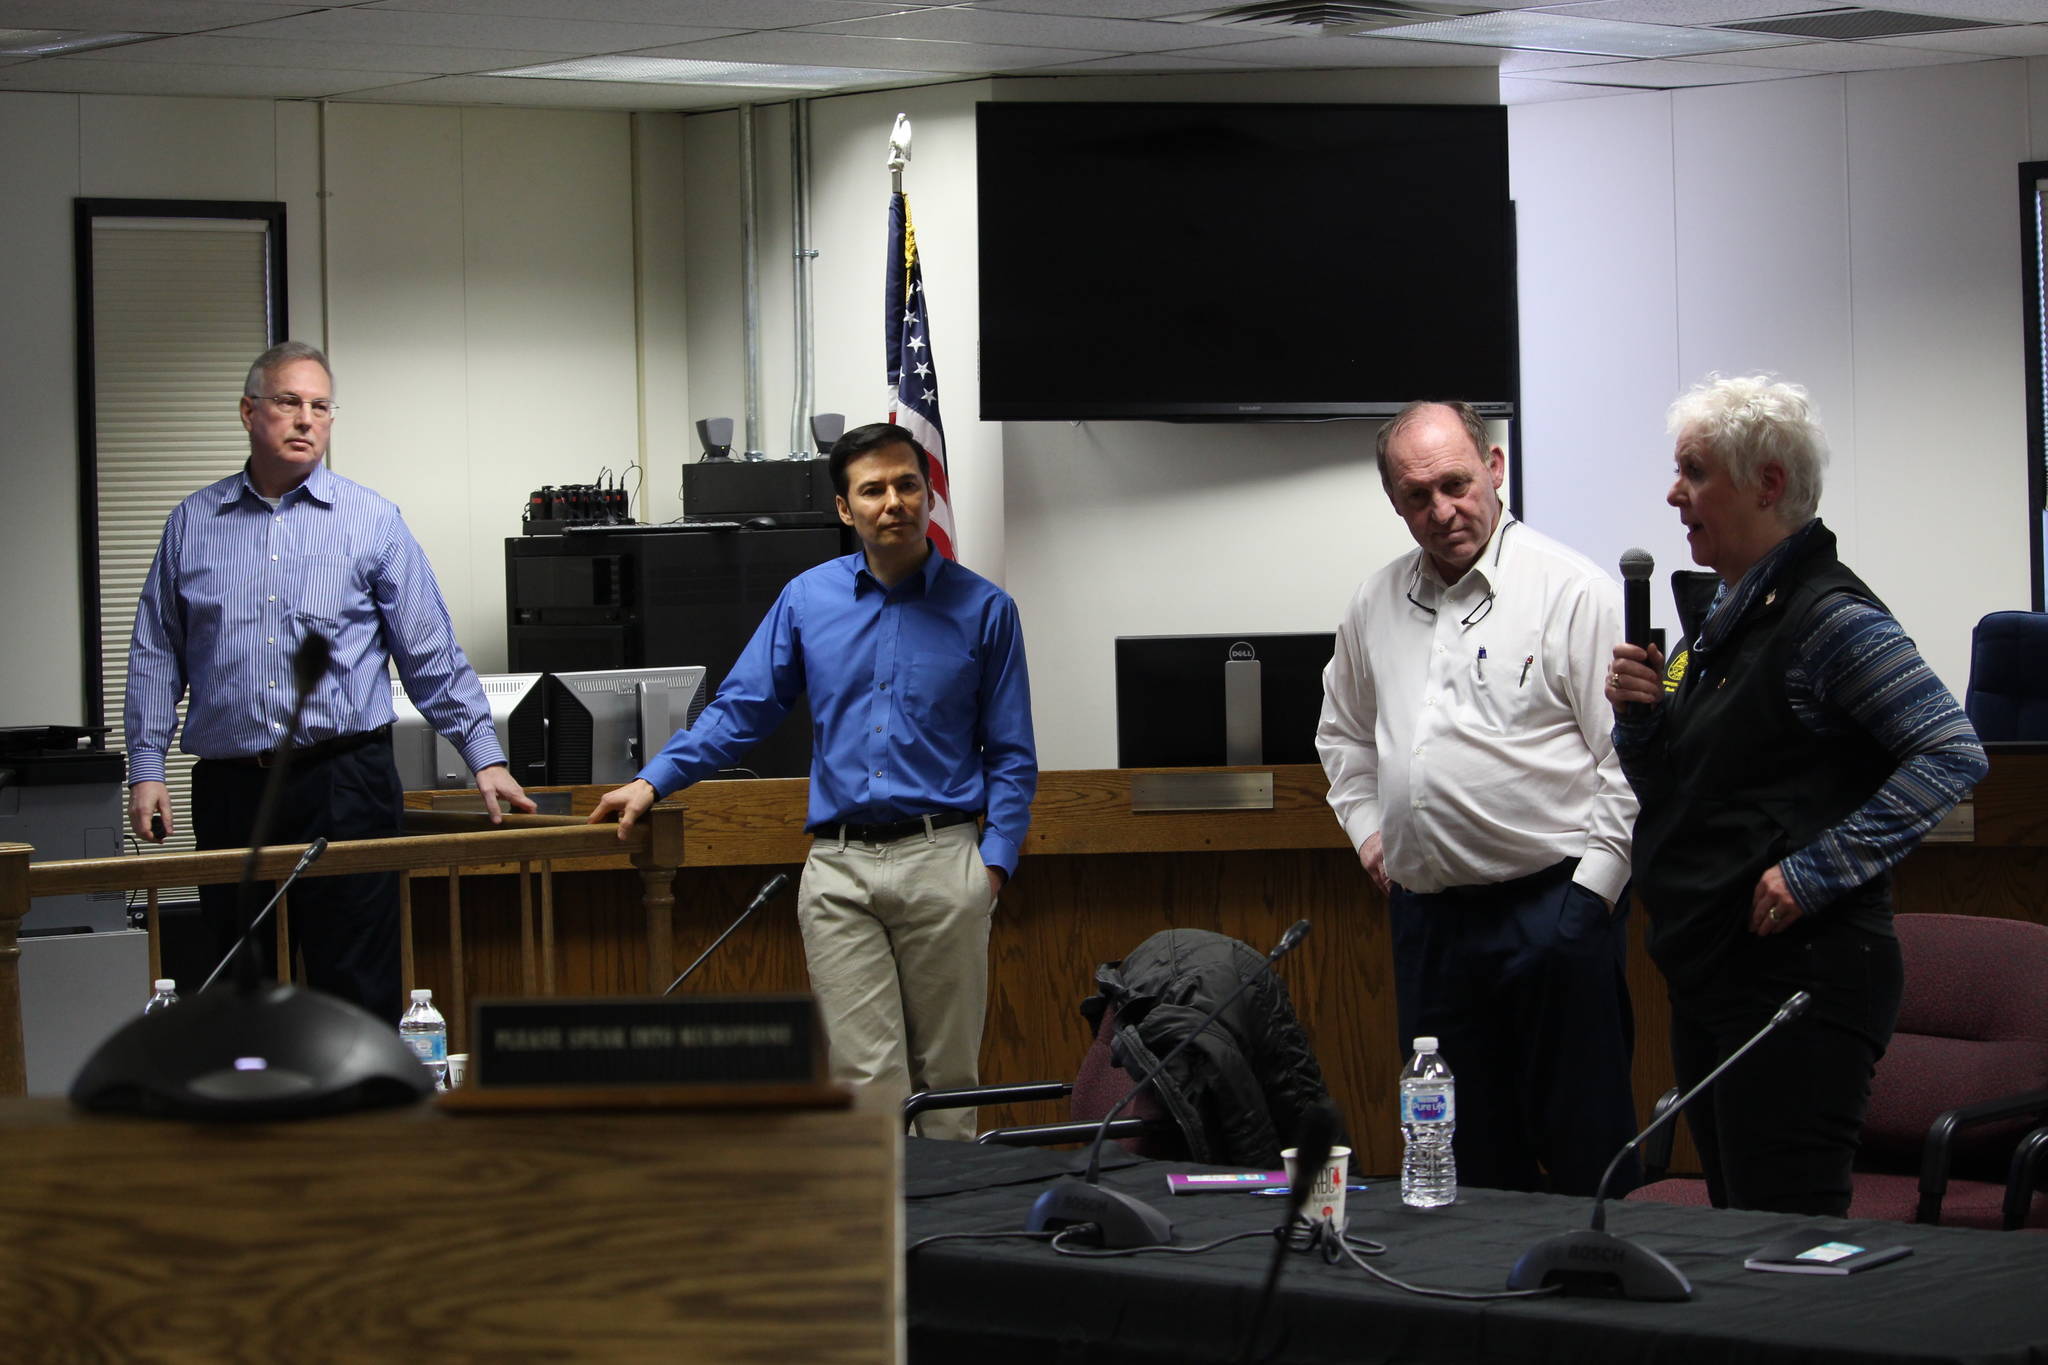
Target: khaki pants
{"x": 896, "y": 939}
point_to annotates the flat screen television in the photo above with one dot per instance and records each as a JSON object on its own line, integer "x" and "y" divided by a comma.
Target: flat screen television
{"x": 605, "y": 724}
{"x": 1220, "y": 262}
{"x": 1198, "y": 701}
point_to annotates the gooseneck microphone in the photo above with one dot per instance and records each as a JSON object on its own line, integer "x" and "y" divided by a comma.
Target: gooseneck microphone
{"x": 1312, "y": 1153}
{"x": 1124, "y": 1221}
{"x": 767, "y": 893}
{"x": 257, "y": 1051}
{"x": 1597, "y": 1263}
{"x": 306, "y": 860}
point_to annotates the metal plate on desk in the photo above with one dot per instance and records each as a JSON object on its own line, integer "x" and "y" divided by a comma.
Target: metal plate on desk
{"x": 1959, "y": 826}
{"x": 1201, "y": 791}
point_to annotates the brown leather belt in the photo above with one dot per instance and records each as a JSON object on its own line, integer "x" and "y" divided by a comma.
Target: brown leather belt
{"x": 899, "y": 829}
{"x": 326, "y": 748}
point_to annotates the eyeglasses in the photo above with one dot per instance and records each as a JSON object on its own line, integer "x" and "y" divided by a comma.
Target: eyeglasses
{"x": 323, "y": 409}
{"x": 1470, "y": 618}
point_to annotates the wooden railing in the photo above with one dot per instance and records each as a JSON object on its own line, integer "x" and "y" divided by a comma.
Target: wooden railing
{"x": 451, "y": 841}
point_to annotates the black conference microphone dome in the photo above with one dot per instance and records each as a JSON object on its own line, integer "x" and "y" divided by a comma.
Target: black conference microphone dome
{"x": 273, "y": 1052}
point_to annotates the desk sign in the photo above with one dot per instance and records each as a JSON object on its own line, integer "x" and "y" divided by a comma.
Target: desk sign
{"x": 647, "y": 1040}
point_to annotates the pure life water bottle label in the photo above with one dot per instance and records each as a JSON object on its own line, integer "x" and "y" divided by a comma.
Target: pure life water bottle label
{"x": 1434, "y": 1106}
{"x": 428, "y": 1047}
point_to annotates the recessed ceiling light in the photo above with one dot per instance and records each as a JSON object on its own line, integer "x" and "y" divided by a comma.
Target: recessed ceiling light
{"x": 45, "y": 42}
{"x": 676, "y": 71}
{"x": 1563, "y": 33}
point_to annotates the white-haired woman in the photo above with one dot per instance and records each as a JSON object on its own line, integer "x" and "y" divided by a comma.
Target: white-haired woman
{"x": 1785, "y": 760}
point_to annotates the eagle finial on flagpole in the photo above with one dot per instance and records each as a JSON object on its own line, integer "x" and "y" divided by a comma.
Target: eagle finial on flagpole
{"x": 899, "y": 151}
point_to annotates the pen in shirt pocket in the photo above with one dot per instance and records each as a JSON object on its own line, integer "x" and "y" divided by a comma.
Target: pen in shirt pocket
{"x": 1479, "y": 665}
{"x": 1525, "y": 671}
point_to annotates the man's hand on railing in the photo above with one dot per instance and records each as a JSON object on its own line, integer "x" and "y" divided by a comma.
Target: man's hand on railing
{"x": 628, "y": 803}
{"x": 149, "y": 801}
{"x": 501, "y": 789}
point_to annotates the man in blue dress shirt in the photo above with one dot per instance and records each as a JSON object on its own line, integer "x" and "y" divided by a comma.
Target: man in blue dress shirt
{"x": 249, "y": 567}
{"x": 921, "y": 713}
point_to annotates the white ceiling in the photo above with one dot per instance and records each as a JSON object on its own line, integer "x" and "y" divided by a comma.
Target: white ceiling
{"x": 440, "y": 51}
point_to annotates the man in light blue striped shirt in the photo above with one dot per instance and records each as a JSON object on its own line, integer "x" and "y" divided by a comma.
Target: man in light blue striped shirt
{"x": 248, "y": 568}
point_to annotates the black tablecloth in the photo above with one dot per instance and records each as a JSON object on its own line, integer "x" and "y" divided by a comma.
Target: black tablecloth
{"x": 1962, "y": 1296}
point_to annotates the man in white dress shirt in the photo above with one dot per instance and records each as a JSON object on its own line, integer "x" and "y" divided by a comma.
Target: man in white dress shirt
{"x": 1467, "y": 742}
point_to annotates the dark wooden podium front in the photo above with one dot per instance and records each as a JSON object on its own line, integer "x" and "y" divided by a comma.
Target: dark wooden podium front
{"x": 754, "y": 1236}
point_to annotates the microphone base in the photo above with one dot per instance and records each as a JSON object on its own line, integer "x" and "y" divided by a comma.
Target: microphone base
{"x": 274, "y": 1052}
{"x": 1125, "y": 1222}
{"x": 1589, "y": 1264}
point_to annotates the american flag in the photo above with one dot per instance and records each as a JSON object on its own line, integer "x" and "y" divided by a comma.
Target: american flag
{"x": 913, "y": 379}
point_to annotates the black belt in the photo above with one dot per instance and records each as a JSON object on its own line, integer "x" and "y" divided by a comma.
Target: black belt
{"x": 326, "y": 748}
{"x": 899, "y": 829}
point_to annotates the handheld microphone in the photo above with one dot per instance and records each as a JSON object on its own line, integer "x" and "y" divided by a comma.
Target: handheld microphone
{"x": 1128, "y": 1222}
{"x": 767, "y": 893}
{"x": 306, "y": 860}
{"x": 1636, "y": 568}
{"x": 1597, "y": 1263}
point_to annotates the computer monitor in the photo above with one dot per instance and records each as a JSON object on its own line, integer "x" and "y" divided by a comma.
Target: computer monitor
{"x": 604, "y": 725}
{"x": 428, "y": 762}
{"x": 1195, "y": 701}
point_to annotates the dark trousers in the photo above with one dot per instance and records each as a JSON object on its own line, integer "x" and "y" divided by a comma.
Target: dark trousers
{"x": 346, "y": 928}
{"x": 1525, "y": 987}
{"x": 1779, "y": 1131}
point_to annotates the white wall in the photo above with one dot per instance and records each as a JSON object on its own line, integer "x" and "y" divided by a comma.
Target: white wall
{"x": 482, "y": 323}
{"x": 58, "y": 147}
{"x": 476, "y": 274}
{"x": 1858, "y": 234}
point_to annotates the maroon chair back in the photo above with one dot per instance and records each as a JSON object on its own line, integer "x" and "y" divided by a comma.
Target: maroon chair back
{"x": 1100, "y": 1083}
{"x": 1973, "y": 1025}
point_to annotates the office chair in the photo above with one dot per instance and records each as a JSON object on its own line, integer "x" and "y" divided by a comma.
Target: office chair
{"x": 1098, "y": 1083}
{"x": 2008, "y": 694}
{"x": 1947, "y": 1137}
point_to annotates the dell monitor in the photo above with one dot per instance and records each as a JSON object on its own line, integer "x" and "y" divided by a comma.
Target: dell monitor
{"x": 428, "y": 762}
{"x": 604, "y": 725}
{"x": 1196, "y": 701}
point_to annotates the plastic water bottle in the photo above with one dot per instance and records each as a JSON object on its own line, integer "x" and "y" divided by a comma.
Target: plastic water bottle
{"x": 1429, "y": 1113}
{"x": 426, "y": 1033}
{"x": 165, "y": 995}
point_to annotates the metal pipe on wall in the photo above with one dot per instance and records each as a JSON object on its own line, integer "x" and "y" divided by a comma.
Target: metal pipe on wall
{"x": 803, "y": 254}
{"x": 750, "y": 288}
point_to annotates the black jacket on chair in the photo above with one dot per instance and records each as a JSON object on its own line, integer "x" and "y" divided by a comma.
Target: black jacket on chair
{"x": 1240, "y": 1089}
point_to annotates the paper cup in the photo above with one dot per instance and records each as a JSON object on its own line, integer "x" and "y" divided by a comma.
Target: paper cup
{"x": 1325, "y": 1203}
{"x": 458, "y": 1064}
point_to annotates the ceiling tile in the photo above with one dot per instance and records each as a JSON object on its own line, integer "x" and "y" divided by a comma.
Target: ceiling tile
{"x": 78, "y": 75}
{"x": 2029, "y": 40}
{"x": 139, "y": 16}
{"x": 2010, "y": 11}
{"x": 1102, "y": 9}
{"x": 1517, "y": 90}
{"x": 1043, "y": 30}
{"x": 210, "y": 50}
{"x": 1661, "y": 75}
{"x": 1513, "y": 62}
{"x": 1345, "y": 51}
{"x": 580, "y": 36}
{"x": 1213, "y": 59}
{"x": 1693, "y": 12}
{"x": 560, "y": 94}
{"x": 896, "y": 54}
{"x": 1565, "y": 33}
{"x": 1839, "y": 57}
{"x": 725, "y": 14}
